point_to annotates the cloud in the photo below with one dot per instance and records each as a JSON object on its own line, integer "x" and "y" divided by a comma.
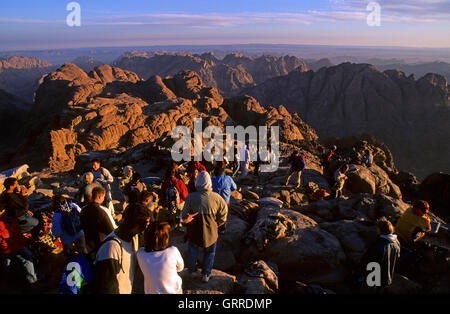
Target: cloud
{"x": 394, "y": 11}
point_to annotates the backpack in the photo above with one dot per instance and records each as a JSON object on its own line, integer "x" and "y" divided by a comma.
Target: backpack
{"x": 173, "y": 198}
{"x": 70, "y": 219}
{"x": 11, "y": 237}
{"x": 79, "y": 273}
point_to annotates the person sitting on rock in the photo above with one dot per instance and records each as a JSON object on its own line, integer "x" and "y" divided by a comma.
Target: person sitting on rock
{"x": 160, "y": 263}
{"x": 14, "y": 202}
{"x": 204, "y": 212}
{"x": 298, "y": 163}
{"x": 385, "y": 251}
{"x": 16, "y": 261}
{"x": 67, "y": 226}
{"x": 413, "y": 224}
{"x": 96, "y": 220}
{"x": 104, "y": 177}
{"x": 85, "y": 193}
{"x": 368, "y": 159}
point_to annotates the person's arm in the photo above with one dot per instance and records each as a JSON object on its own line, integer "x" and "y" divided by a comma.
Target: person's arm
{"x": 108, "y": 177}
{"x": 185, "y": 216}
{"x": 233, "y": 184}
{"x": 179, "y": 259}
{"x": 222, "y": 212}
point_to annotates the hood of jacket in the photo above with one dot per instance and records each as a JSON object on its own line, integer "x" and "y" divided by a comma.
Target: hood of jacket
{"x": 203, "y": 182}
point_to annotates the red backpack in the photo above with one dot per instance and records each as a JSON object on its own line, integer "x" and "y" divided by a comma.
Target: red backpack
{"x": 11, "y": 237}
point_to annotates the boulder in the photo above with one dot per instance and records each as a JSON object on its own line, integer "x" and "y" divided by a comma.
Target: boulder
{"x": 219, "y": 283}
{"x": 310, "y": 253}
{"x": 354, "y": 236}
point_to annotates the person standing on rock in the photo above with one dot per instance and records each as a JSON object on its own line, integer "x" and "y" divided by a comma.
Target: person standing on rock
{"x": 96, "y": 220}
{"x": 173, "y": 194}
{"x": 385, "y": 251}
{"x": 115, "y": 261}
{"x": 368, "y": 159}
{"x": 104, "y": 177}
{"x": 327, "y": 157}
{"x": 160, "y": 263}
{"x": 413, "y": 224}
{"x": 85, "y": 193}
{"x": 204, "y": 212}
{"x": 14, "y": 201}
{"x": 236, "y": 161}
{"x": 223, "y": 185}
{"x": 340, "y": 176}
{"x": 244, "y": 160}
{"x": 192, "y": 170}
{"x": 298, "y": 163}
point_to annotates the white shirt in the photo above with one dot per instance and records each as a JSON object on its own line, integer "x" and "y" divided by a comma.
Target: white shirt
{"x": 160, "y": 270}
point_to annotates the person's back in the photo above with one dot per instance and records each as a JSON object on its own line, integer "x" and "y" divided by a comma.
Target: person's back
{"x": 212, "y": 212}
{"x": 160, "y": 270}
{"x": 223, "y": 185}
{"x": 297, "y": 162}
{"x": 96, "y": 225}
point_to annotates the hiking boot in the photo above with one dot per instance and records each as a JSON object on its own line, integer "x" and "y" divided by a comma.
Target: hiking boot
{"x": 205, "y": 278}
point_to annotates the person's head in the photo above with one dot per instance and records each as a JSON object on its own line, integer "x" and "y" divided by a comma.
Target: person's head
{"x": 384, "y": 226}
{"x": 88, "y": 177}
{"x": 367, "y": 152}
{"x": 10, "y": 184}
{"x": 146, "y": 197}
{"x": 128, "y": 171}
{"x": 295, "y": 153}
{"x": 58, "y": 200}
{"x": 96, "y": 164}
{"x": 218, "y": 171}
{"x": 156, "y": 236}
{"x": 333, "y": 147}
{"x": 98, "y": 195}
{"x": 203, "y": 181}
{"x": 172, "y": 171}
{"x": 421, "y": 207}
{"x": 135, "y": 221}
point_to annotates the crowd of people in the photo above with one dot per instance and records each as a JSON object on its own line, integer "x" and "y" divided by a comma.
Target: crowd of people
{"x": 195, "y": 202}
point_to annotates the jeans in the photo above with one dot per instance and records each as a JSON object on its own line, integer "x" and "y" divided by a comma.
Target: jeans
{"x": 298, "y": 174}
{"x": 27, "y": 223}
{"x": 208, "y": 258}
{"x": 20, "y": 265}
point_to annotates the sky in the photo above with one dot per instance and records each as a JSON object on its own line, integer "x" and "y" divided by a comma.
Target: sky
{"x": 42, "y": 24}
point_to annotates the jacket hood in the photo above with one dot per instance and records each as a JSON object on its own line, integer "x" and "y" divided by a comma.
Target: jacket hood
{"x": 203, "y": 182}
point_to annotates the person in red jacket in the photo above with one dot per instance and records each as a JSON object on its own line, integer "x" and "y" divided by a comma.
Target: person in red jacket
{"x": 172, "y": 178}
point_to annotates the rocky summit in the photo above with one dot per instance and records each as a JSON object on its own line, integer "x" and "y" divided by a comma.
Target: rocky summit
{"x": 279, "y": 238}
{"x": 409, "y": 115}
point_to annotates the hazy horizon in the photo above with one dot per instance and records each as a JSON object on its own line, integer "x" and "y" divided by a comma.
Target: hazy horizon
{"x": 41, "y": 25}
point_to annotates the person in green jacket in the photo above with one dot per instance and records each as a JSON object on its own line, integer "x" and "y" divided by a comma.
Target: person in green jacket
{"x": 203, "y": 213}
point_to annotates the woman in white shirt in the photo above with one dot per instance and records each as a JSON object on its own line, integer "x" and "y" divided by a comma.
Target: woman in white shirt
{"x": 159, "y": 263}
